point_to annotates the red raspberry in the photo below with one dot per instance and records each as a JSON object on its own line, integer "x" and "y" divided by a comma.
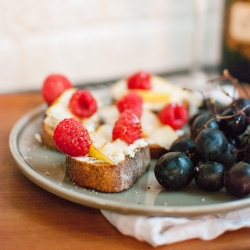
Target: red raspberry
{"x": 174, "y": 115}
{"x": 131, "y": 101}
{"x": 127, "y": 127}
{"x": 140, "y": 80}
{"x": 82, "y": 104}
{"x": 72, "y": 138}
{"x": 53, "y": 86}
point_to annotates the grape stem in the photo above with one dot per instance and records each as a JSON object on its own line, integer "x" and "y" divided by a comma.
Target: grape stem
{"x": 219, "y": 117}
{"x": 226, "y": 76}
{"x": 236, "y": 83}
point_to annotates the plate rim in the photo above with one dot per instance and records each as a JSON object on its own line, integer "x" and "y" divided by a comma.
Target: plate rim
{"x": 102, "y": 203}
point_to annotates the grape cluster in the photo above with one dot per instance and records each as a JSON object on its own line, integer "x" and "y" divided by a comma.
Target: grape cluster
{"x": 216, "y": 154}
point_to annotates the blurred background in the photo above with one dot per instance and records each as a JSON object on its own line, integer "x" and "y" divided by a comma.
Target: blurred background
{"x": 100, "y": 40}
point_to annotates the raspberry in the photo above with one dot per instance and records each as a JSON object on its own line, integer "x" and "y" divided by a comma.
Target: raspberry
{"x": 131, "y": 101}
{"x": 53, "y": 86}
{"x": 174, "y": 115}
{"x": 127, "y": 127}
{"x": 140, "y": 80}
{"x": 82, "y": 104}
{"x": 72, "y": 138}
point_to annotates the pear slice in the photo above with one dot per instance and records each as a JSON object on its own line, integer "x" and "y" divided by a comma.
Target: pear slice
{"x": 114, "y": 150}
{"x": 108, "y": 114}
{"x": 59, "y": 108}
{"x": 161, "y": 88}
{"x": 153, "y": 96}
{"x": 163, "y": 136}
{"x": 149, "y": 122}
{"x": 94, "y": 152}
{"x": 105, "y": 130}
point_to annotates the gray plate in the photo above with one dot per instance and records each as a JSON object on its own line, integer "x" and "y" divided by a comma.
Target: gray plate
{"x": 46, "y": 168}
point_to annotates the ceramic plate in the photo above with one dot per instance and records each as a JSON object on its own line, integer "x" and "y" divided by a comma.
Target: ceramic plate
{"x": 46, "y": 168}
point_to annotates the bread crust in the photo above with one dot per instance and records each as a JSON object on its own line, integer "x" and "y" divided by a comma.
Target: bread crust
{"x": 156, "y": 151}
{"x": 47, "y": 136}
{"x": 105, "y": 177}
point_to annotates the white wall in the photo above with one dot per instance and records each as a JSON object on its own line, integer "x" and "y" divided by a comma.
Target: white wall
{"x": 98, "y": 40}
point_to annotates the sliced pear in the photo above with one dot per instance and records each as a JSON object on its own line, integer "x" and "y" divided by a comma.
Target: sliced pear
{"x": 119, "y": 144}
{"x": 114, "y": 150}
{"x": 91, "y": 123}
{"x": 105, "y": 131}
{"x": 98, "y": 140}
{"x": 105, "y": 150}
{"x": 163, "y": 136}
{"x": 65, "y": 96}
{"x": 59, "y": 108}
{"x": 119, "y": 89}
{"x": 162, "y": 91}
{"x": 94, "y": 152}
{"x": 152, "y": 96}
{"x": 109, "y": 114}
{"x": 149, "y": 122}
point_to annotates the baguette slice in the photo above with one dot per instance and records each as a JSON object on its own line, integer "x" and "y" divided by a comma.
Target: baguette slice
{"x": 58, "y": 111}
{"x": 162, "y": 92}
{"x": 105, "y": 177}
{"x": 150, "y": 125}
{"x": 47, "y": 136}
{"x": 157, "y": 151}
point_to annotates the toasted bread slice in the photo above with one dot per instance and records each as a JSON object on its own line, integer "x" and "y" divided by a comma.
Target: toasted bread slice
{"x": 159, "y": 142}
{"x": 157, "y": 151}
{"x": 108, "y": 114}
{"x": 47, "y": 136}
{"x": 58, "y": 111}
{"x": 155, "y": 99}
{"x": 105, "y": 177}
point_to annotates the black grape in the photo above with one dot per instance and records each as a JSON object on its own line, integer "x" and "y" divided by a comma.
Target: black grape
{"x": 210, "y": 143}
{"x": 237, "y": 179}
{"x": 209, "y": 176}
{"x": 174, "y": 170}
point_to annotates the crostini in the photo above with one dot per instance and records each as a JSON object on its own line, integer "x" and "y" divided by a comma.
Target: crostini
{"x": 107, "y": 160}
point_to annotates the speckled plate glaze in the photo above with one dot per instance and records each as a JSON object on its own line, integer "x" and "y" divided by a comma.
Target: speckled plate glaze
{"x": 46, "y": 168}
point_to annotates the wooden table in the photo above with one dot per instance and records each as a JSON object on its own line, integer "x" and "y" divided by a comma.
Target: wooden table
{"x": 32, "y": 218}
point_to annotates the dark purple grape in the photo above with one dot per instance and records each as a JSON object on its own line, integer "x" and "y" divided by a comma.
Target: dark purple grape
{"x": 240, "y": 103}
{"x": 215, "y": 147}
{"x": 228, "y": 158}
{"x": 215, "y": 107}
{"x": 234, "y": 140}
{"x": 245, "y": 139}
{"x": 237, "y": 179}
{"x": 194, "y": 116}
{"x": 209, "y": 176}
{"x": 200, "y": 121}
{"x": 235, "y": 125}
{"x": 210, "y": 143}
{"x": 244, "y": 153}
{"x": 174, "y": 170}
{"x": 184, "y": 145}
